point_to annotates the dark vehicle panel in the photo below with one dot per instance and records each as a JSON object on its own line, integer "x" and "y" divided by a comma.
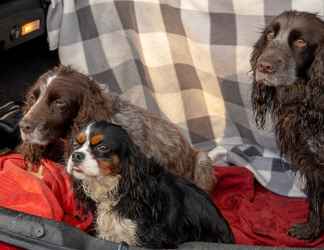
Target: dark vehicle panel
{"x": 21, "y": 21}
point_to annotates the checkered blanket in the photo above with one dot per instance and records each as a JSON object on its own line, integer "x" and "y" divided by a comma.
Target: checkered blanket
{"x": 185, "y": 60}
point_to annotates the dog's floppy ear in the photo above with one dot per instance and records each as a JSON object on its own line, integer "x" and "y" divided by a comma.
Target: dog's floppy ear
{"x": 32, "y": 152}
{"x": 93, "y": 106}
{"x": 128, "y": 159}
{"x": 316, "y": 83}
{"x": 136, "y": 183}
{"x": 134, "y": 169}
{"x": 316, "y": 71}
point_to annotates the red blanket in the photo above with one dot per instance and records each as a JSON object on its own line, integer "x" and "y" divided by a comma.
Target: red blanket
{"x": 258, "y": 216}
{"x": 50, "y": 196}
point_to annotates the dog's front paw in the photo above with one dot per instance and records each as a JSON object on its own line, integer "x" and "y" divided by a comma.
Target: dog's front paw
{"x": 304, "y": 231}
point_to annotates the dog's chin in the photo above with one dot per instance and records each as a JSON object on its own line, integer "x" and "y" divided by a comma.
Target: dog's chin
{"x": 273, "y": 80}
{"x": 265, "y": 79}
{"x": 31, "y": 139}
{"x": 78, "y": 174}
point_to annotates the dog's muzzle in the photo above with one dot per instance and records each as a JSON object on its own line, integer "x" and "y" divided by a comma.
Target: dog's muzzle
{"x": 27, "y": 126}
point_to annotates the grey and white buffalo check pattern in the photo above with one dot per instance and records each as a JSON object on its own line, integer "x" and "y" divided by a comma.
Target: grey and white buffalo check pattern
{"x": 187, "y": 60}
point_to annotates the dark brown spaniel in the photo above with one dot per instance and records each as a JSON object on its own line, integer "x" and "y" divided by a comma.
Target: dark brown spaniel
{"x": 288, "y": 71}
{"x": 63, "y": 100}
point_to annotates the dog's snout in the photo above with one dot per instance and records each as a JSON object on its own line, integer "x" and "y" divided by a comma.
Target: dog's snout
{"x": 265, "y": 67}
{"x": 273, "y": 60}
{"x": 78, "y": 157}
{"x": 26, "y": 126}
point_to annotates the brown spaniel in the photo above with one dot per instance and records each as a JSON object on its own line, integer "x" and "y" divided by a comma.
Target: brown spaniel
{"x": 288, "y": 71}
{"x": 63, "y": 101}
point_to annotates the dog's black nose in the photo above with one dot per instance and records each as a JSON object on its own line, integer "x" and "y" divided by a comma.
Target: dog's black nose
{"x": 26, "y": 126}
{"x": 78, "y": 157}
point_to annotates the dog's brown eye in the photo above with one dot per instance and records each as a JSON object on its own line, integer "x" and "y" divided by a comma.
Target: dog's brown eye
{"x": 270, "y": 36}
{"x": 300, "y": 43}
{"x": 102, "y": 148}
{"x": 33, "y": 96}
{"x": 59, "y": 103}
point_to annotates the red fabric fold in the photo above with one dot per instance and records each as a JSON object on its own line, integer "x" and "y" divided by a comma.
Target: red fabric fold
{"x": 50, "y": 197}
{"x": 256, "y": 215}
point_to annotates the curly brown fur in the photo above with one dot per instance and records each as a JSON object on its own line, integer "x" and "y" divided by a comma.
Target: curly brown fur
{"x": 64, "y": 100}
{"x": 288, "y": 71}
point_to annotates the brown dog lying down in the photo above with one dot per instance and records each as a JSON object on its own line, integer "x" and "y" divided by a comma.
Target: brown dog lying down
{"x": 63, "y": 100}
{"x": 137, "y": 200}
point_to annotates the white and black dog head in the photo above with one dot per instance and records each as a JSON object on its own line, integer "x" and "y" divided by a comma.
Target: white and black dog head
{"x": 97, "y": 151}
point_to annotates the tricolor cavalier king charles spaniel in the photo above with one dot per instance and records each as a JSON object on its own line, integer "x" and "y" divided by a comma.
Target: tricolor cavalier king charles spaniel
{"x": 288, "y": 70}
{"x": 138, "y": 201}
{"x": 63, "y": 100}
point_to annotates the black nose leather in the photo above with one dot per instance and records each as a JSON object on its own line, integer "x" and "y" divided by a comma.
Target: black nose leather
{"x": 26, "y": 126}
{"x": 78, "y": 157}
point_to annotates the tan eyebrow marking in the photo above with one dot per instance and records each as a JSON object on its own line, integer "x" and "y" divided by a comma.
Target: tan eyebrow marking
{"x": 96, "y": 139}
{"x": 80, "y": 138}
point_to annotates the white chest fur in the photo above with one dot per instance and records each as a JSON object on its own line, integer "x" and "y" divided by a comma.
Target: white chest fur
{"x": 109, "y": 225}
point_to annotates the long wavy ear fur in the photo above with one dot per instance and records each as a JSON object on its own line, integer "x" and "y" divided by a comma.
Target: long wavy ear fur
{"x": 262, "y": 102}
{"x": 137, "y": 182}
{"x": 262, "y": 96}
{"x": 32, "y": 153}
{"x": 94, "y": 106}
{"x": 315, "y": 86}
{"x": 316, "y": 71}
{"x": 134, "y": 169}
